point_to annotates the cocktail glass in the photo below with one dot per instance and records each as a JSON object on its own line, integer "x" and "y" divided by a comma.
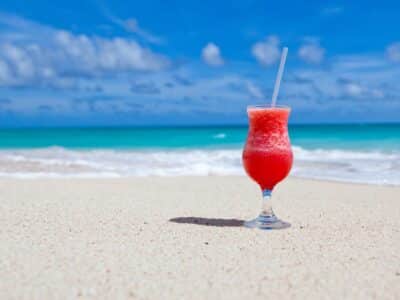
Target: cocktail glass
{"x": 267, "y": 157}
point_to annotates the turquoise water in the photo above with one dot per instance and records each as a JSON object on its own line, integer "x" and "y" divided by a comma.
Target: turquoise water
{"x": 385, "y": 137}
{"x": 355, "y": 153}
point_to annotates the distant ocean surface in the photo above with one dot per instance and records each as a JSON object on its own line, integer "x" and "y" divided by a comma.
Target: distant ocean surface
{"x": 353, "y": 153}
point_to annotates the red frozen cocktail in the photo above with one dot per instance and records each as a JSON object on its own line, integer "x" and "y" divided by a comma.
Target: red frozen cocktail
{"x": 267, "y": 156}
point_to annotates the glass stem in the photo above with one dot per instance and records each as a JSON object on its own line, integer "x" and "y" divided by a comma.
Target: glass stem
{"x": 266, "y": 207}
{"x": 266, "y": 219}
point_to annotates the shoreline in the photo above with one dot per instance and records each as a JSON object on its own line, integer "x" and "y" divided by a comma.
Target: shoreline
{"x": 131, "y": 177}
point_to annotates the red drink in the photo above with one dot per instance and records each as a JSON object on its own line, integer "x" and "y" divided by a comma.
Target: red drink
{"x": 267, "y": 156}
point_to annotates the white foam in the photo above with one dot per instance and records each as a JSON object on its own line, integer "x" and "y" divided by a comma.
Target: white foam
{"x": 354, "y": 166}
{"x": 219, "y": 136}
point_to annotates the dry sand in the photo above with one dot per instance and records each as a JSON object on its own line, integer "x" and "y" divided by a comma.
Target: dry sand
{"x": 112, "y": 239}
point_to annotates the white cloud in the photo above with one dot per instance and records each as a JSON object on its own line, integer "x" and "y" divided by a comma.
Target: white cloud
{"x": 254, "y": 90}
{"x": 63, "y": 55}
{"x": 312, "y": 52}
{"x": 349, "y": 77}
{"x": 393, "y": 52}
{"x": 267, "y": 52}
{"x": 102, "y": 55}
{"x": 132, "y": 25}
{"x": 353, "y": 89}
{"x": 212, "y": 55}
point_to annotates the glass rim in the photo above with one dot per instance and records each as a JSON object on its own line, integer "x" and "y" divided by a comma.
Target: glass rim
{"x": 267, "y": 106}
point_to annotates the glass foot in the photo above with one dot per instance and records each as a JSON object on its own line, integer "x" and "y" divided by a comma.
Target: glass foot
{"x": 266, "y": 223}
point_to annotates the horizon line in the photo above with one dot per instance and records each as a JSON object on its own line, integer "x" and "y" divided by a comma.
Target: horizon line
{"x": 183, "y": 126}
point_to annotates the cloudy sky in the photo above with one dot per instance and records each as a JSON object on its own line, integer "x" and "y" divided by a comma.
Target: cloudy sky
{"x": 92, "y": 62}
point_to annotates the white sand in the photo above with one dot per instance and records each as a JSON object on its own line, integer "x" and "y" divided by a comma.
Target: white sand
{"x": 112, "y": 239}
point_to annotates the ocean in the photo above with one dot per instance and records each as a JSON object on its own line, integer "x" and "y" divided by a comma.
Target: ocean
{"x": 368, "y": 153}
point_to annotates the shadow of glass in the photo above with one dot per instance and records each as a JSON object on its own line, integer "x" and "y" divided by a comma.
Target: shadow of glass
{"x": 208, "y": 221}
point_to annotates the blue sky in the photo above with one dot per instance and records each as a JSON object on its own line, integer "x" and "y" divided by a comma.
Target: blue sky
{"x": 100, "y": 63}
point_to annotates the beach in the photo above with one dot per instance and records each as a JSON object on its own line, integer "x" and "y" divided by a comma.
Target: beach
{"x": 181, "y": 238}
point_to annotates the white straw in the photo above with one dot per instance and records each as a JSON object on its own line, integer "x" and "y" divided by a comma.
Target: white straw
{"x": 279, "y": 76}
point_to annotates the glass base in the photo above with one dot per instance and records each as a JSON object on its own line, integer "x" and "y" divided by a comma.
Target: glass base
{"x": 266, "y": 223}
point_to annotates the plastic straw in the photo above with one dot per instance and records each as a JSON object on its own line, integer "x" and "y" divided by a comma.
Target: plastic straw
{"x": 279, "y": 76}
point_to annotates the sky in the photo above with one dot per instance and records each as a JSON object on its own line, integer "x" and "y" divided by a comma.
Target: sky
{"x": 154, "y": 63}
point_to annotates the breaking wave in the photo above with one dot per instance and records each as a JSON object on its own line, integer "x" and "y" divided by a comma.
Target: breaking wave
{"x": 376, "y": 167}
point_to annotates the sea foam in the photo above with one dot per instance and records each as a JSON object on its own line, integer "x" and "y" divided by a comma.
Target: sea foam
{"x": 376, "y": 167}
